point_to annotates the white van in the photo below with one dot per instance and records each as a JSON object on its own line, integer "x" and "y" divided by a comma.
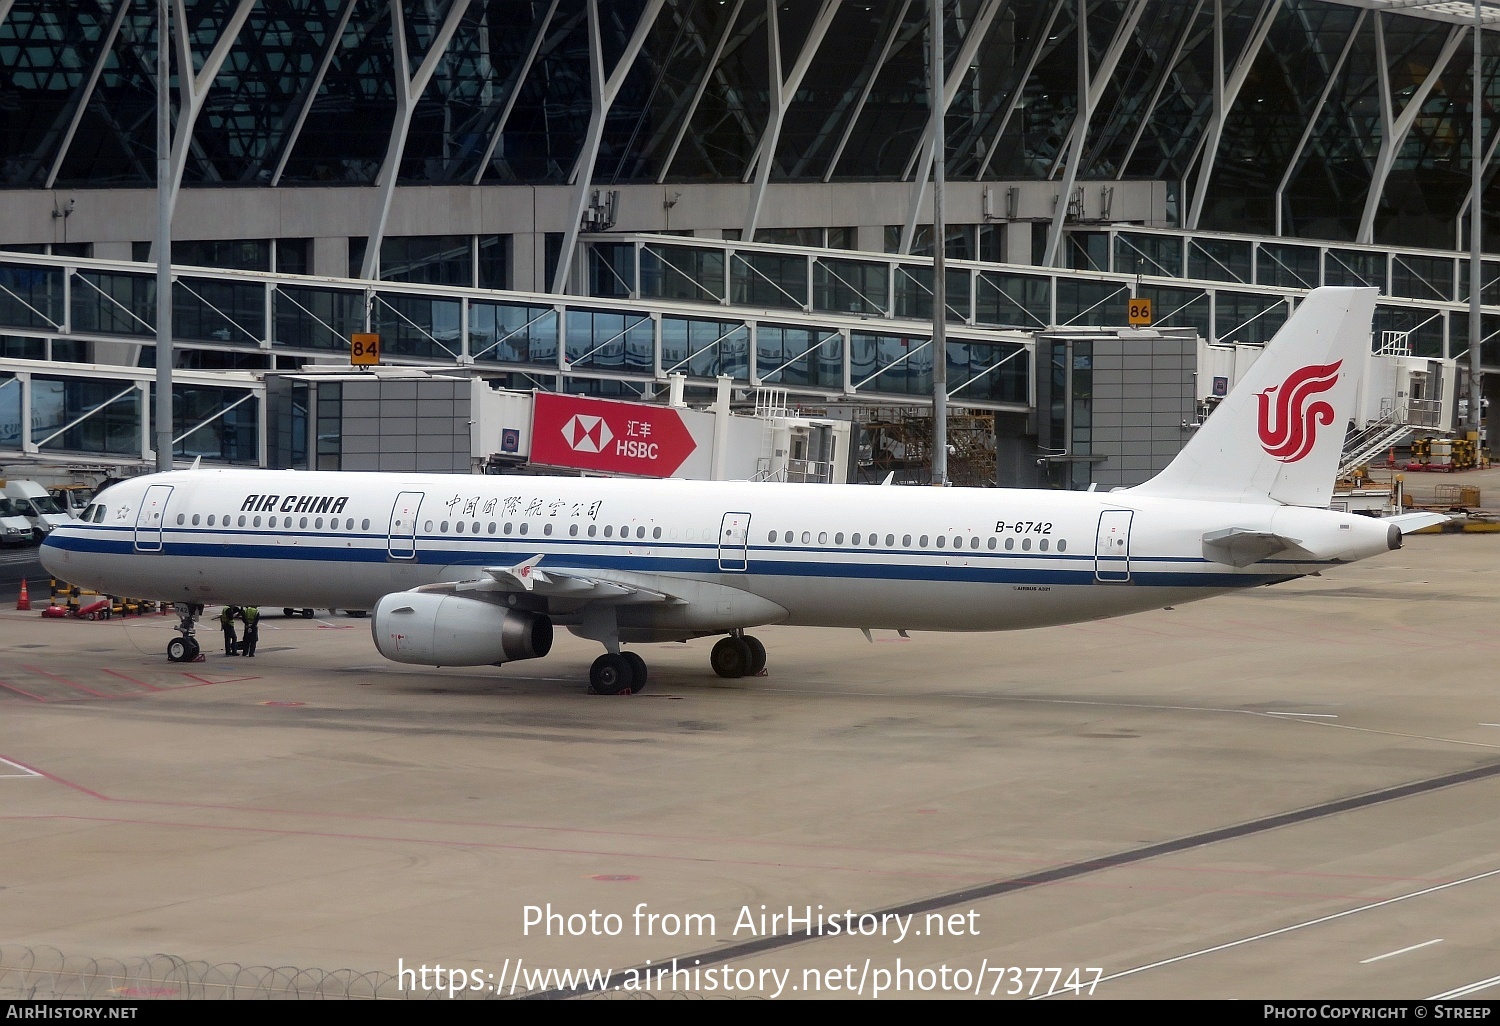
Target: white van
{"x": 14, "y": 528}
{"x": 32, "y": 501}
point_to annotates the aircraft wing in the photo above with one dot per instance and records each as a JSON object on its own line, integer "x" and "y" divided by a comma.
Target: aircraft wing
{"x": 615, "y": 587}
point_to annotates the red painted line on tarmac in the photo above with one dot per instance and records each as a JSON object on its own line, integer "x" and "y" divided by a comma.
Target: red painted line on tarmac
{"x": 57, "y": 779}
{"x": 19, "y": 691}
{"x": 205, "y": 680}
{"x": 117, "y": 673}
{"x": 64, "y": 680}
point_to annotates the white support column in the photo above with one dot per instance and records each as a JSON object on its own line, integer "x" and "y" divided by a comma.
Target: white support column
{"x": 1312, "y": 121}
{"x": 604, "y": 90}
{"x": 1161, "y": 84}
{"x": 1075, "y": 157}
{"x": 1105, "y": 71}
{"x": 193, "y": 88}
{"x": 1397, "y": 128}
{"x": 864, "y": 94}
{"x": 408, "y": 91}
{"x": 692, "y": 107}
{"x": 1020, "y": 90}
{"x": 783, "y": 92}
{"x": 329, "y": 49}
{"x": 106, "y": 48}
{"x": 921, "y": 158}
{"x": 514, "y": 85}
{"x": 1225, "y": 93}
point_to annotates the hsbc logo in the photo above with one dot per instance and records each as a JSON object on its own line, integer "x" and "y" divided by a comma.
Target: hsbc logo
{"x": 586, "y": 434}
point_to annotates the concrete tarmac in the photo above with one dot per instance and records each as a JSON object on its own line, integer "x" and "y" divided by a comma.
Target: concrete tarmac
{"x": 1292, "y": 792}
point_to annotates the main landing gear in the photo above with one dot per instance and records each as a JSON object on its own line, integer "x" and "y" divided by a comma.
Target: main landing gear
{"x": 184, "y": 649}
{"x": 618, "y": 673}
{"x": 738, "y": 655}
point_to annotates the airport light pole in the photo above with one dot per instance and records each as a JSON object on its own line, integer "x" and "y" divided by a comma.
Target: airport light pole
{"x": 938, "y": 90}
{"x": 163, "y": 414}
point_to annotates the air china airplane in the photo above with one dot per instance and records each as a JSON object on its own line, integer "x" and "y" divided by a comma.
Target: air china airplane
{"x": 469, "y": 571}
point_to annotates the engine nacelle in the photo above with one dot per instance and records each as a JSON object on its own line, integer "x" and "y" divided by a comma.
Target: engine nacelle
{"x": 436, "y": 629}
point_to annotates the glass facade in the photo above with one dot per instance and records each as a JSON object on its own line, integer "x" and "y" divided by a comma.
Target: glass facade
{"x": 307, "y": 95}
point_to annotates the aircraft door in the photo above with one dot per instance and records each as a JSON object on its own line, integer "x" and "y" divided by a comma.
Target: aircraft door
{"x": 734, "y": 542}
{"x": 1112, "y": 546}
{"x": 149, "y": 520}
{"x": 401, "y": 542}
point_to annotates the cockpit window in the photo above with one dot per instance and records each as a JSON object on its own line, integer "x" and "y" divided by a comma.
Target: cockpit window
{"x": 99, "y": 513}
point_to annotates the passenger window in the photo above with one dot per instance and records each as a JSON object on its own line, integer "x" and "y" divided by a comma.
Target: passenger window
{"x": 242, "y": 520}
{"x": 609, "y": 529}
{"x": 958, "y": 543}
{"x": 492, "y": 527}
{"x": 771, "y": 537}
{"x": 547, "y": 529}
{"x": 318, "y": 523}
{"x": 906, "y": 541}
{"x": 991, "y": 544}
{"x": 1062, "y": 546}
{"x": 1010, "y": 543}
{"x": 211, "y": 520}
{"x": 974, "y": 542}
{"x": 640, "y": 532}
{"x": 1025, "y": 544}
{"x": 854, "y": 540}
{"x": 656, "y": 532}
{"x": 427, "y": 527}
{"x": 592, "y": 529}
{"x": 806, "y": 537}
{"x": 182, "y": 518}
{"x": 507, "y": 527}
{"x": 195, "y": 520}
{"x": 838, "y": 539}
{"x": 1043, "y": 545}
{"x": 524, "y": 526}
{"x": 890, "y": 539}
{"x": 257, "y": 521}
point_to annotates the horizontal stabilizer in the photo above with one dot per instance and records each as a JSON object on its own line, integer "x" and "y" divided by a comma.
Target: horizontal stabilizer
{"x": 1406, "y": 523}
{"x": 1241, "y": 547}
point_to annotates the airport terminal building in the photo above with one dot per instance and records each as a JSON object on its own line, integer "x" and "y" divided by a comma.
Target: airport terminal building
{"x": 591, "y": 196}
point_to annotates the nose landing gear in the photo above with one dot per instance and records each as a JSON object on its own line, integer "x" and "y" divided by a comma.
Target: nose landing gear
{"x": 185, "y": 649}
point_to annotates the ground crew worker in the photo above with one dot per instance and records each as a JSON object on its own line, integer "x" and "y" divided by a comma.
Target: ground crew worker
{"x": 251, "y": 616}
{"x": 226, "y": 621}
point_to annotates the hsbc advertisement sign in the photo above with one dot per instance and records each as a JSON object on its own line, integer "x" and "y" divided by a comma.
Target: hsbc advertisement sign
{"x": 618, "y": 437}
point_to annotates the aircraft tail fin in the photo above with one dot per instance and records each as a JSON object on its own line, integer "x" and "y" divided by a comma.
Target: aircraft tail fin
{"x": 1278, "y": 435}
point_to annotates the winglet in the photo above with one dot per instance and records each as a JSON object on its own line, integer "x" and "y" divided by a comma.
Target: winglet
{"x": 525, "y": 574}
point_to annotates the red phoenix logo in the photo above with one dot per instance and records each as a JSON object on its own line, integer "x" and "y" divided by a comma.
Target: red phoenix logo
{"x": 1288, "y": 430}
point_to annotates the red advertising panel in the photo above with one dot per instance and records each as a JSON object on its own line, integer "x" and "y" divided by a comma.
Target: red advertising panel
{"x": 607, "y": 435}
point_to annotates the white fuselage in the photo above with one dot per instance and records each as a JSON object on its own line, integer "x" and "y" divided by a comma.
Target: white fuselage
{"x": 828, "y": 555}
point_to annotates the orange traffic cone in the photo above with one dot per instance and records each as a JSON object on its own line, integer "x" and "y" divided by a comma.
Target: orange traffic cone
{"x": 24, "y": 602}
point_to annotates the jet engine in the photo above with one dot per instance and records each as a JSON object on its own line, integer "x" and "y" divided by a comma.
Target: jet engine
{"x": 437, "y": 629}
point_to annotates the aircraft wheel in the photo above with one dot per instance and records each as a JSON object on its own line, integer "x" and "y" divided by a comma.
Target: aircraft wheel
{"x": 638, "y": 669}
{"x": 757, "y": 656}
{"x": 286, "y": 610}
{"x": 193, "y": 649}
{"x": 307, "y": 614}
{"x": 731, "y": 657}
{"x": 178, "y": 649}
{"x": 611, "y": 675}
